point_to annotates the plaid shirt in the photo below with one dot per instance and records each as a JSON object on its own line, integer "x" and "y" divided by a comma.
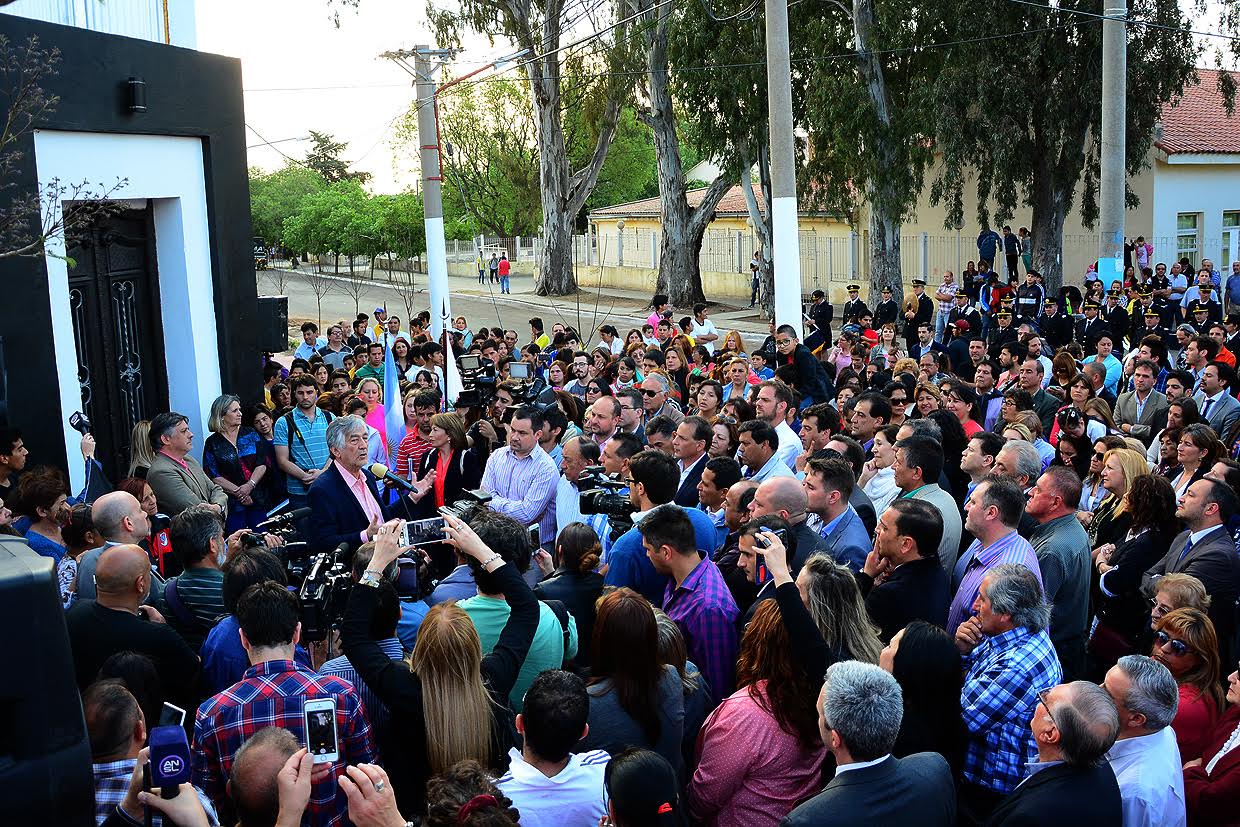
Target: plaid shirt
{"x": 704, "y": 610}
{"x": 1005, "y": 674}
{"x": 112, "y": 782}
{"x": 274, "y": 693}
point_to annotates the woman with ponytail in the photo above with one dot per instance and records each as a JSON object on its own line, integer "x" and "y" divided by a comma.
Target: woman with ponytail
{"x": 574, "y": 582}
{"x": 642, "y": 791}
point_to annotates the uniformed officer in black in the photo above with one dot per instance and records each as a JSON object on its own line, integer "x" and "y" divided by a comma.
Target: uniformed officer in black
{"x": 886, "y": 311}
{"x": 854, "y": 307}
{"x": 1088, "y": 328}
{"x": 1116, "y": 315}
{"x": 1002, "y": 333}
{"x": 921, "y": 312}
{"x": 963, "y": 310}
{"x": 1152, "y": 326}
{"x": 821, "y": 314}
{"x": 1056, "y": 327}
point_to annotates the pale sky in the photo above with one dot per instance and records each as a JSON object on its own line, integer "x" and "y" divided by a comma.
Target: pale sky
{"x": 293, "y": 46}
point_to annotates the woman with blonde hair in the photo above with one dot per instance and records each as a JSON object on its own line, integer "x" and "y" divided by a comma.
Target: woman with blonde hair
{"x": 448, "y": 702}
{"x": 1112, "y": 520}
{"x": 140, "y": 453}
{"x": 733, "y": 345}
{"x": 235, "y": 459}
{"x": 927, "y": 398}
{"x": 905, "y": 365}
{"x": 736, "y": 373}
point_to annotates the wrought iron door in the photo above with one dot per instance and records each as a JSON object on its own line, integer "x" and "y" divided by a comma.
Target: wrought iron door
{"x": 114, "y": 306}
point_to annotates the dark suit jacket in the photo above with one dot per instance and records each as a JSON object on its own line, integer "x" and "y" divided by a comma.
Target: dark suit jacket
{"x": 687, "y": 495}
{"x": 464, "y": 473}
{"x": 916, "y": 791}
{"x": 1214, "y": 562}
{"x": 918, "y": 590}
{"x": 335, "y": 515}
{"x": 1063, "y": 794}
{"x": 917, "y": 349}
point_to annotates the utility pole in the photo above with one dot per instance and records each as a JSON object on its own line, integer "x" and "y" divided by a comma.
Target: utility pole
{"x": 785, "y": 240}
{"x": 1114, "y": 139}
{"x": 432, "y": 191}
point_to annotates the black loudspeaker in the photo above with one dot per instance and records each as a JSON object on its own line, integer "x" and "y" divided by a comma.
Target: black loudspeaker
{"x": 45, "y": 768}
{"x": 273, "y": 324}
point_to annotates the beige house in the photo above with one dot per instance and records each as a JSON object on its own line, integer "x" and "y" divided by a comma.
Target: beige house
{"x": 1189, "y": 206}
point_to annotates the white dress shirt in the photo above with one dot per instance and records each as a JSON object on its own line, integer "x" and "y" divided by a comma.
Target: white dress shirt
{"x": 1151, "y": 783}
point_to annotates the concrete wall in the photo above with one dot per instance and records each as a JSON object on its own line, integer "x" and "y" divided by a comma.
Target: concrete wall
{"x": 1197, "y": 184}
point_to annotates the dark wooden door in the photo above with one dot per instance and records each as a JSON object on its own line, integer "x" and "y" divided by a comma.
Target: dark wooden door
{"x": 114, "y": 304}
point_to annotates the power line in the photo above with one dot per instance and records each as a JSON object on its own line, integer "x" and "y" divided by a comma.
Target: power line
{"x": 1128, "y": 21}
{"x": 273, "y": 146}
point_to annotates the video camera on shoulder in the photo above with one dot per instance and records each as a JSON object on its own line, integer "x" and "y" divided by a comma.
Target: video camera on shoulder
{"x": 477, "y": 381}
{"x": 600, "y": 494}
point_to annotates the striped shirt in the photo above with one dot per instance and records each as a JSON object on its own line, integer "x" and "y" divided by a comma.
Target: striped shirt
{"x": 307, "y": 444}
{"x": 706, "y": 613}
{"x": 523, "y": 488}
{"x": 973, "y": 565}
{"x": 340, "y": 667}
{"x": 574, "y": 795}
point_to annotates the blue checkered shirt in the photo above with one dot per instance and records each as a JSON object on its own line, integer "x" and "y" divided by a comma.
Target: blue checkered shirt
{"x": 112, "y": 782}
{"x": 1005, "y": 674}
{"x": 340, "y": 667}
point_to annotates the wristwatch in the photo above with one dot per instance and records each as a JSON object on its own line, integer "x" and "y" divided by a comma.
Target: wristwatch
{"x": 370, "y": 578}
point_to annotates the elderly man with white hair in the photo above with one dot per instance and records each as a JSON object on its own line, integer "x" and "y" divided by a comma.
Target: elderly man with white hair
{"x": 859, "y": 713}
{"x": 1145, "y": 757}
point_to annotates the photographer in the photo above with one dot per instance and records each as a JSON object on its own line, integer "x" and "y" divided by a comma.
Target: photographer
{"x": 447, "y": 703}
{"x": 346, "y": 507}
{"x": 493, "y": 429}
{"x": 655, "y": 478}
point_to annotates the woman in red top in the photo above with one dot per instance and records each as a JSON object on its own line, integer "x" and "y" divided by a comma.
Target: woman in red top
{"x": 1185, "y": 642}
{"x": 448, "y": 469}
{"x": 1212, "y": 782}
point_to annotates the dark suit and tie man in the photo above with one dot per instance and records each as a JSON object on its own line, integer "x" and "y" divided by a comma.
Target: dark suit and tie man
{"x": 346, "y": 507}
{"x": 1206, "y": 551}
{"x": 1218, "y": 407}
{"x": 1074, "y": 724}
{"x": 859, "y": 713}
{"x": 689, "y": 443}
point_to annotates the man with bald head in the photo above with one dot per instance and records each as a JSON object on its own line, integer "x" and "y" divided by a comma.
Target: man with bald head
{"x": 252, "y": 785}
{"x": 785, "y": 497}
{"x": 119, "y": 519}
{"x": 116, "y": 621}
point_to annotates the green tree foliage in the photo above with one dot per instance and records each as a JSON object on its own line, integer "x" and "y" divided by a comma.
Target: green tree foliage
{"x": 1029, "y": 138}
{"x": 628, "y": 174}
{"x": 324, "y": 158}
{"x": 274, "y": 196}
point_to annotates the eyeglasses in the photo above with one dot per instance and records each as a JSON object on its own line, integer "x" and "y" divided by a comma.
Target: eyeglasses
{"x": 1157, "y": 608}
{"x": 649, "y": 393}
{"x": 1098, "y": 456}
{"x": 782, "y": 342}
{"x": 1042, "y": 699}
{"x": 1178, "y": 647}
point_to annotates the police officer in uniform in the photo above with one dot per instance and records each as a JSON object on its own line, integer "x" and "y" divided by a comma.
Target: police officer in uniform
{"x": 820, "y": 313}
{"x": 962, "y": 310}
{"x": 1116, "y": 316}
{"x": 1088, "y": 328}
{"x": 920, "y": 312}
{"x": 886, "y": 311}
{"x": 1002, "y": 333}
{"x": 854, "y": 307}
{"x": 1056, "y": 327}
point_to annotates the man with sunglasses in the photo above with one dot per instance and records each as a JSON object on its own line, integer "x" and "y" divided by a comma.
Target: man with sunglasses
{"x": 1073, "y": 725}
{"x": 1008, "y": 656}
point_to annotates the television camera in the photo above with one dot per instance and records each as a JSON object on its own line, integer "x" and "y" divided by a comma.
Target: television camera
{"x": 600, "y": 494}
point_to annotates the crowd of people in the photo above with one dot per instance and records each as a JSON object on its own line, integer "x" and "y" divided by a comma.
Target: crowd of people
{"x": 967, "y": 564}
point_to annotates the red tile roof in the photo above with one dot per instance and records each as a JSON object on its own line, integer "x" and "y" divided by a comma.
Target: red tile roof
{"x": 732, "y": 205}
{"x": 1198, "y": 122}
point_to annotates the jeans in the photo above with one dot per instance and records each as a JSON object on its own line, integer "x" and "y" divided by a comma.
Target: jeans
{"x": 940, "y": 325}
{"x": 504, "y": 286}
{"x": 481, "y": 276}
{"x": 753, "y": 290}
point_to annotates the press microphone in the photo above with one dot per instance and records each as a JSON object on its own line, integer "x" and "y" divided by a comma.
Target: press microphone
{"x": 381, "y": 471}
{"x": 169, "y": 759}
{"x": 285, "y": 518}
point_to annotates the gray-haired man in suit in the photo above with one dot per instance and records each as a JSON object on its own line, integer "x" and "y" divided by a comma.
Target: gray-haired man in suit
{"x": 859, "y": 713}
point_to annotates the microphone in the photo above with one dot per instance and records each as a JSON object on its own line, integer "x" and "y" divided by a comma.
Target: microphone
{"x": 169, "y": 759}
{"x": 285, "y": 518}
{"x": 381, "y": 471}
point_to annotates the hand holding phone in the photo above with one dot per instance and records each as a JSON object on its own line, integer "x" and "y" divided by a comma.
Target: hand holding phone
{"x": 774, "y": 555}
{"x": 321, "y": 736}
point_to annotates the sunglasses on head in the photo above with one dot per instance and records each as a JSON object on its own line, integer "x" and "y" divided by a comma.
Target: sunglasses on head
{"x": 1178, "y": 647}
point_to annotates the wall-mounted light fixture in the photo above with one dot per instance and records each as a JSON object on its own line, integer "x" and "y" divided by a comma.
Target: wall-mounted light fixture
{"x": 136, "y": 95}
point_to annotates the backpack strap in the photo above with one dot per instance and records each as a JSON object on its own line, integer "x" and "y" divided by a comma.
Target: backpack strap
{"x": 173, "y": 601}
{"x": 561, "y": 614}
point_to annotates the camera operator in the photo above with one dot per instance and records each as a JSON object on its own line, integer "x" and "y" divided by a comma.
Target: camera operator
{"x": 655, "y": 478}
{"x": 580, "y": 452}
{"x": 521, "y": 477}
{"x": 345, "y": 503}
{"x": 494, "y": 428}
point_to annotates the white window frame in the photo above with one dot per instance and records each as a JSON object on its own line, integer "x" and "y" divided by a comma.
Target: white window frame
{"x": 1183, "y": 249}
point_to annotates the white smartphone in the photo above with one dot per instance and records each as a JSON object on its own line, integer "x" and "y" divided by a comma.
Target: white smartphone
{"x": 321, "y": 738}
{"x": 422, "y": 532}
{"x": 171, "y": 715}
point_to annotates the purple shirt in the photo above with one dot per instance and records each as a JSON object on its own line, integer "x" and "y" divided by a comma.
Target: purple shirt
{"x": 704, "y": 610}
{"x": 974, "y": 564}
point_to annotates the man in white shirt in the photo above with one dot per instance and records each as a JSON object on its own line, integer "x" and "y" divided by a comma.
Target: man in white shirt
{"x": 703, "y": 330}
{"x": 392, "y": 332}
{"x": 548, "y": 784}
{"x": 311, "y": 342}
{"x": 1145, "y": 758}
{"x": 771, "y": 406}
{"x": 579, "y": 453}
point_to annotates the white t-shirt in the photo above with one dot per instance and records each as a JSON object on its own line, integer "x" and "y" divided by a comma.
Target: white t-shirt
{"x": 698, "y": 330}
{"x": 574, "y": 796}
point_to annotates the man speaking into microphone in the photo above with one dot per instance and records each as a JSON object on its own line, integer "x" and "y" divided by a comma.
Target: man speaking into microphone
{"x": 346, "y": 507}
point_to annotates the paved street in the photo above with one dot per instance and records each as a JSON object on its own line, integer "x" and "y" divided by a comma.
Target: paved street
{"x": 482, "y": 304}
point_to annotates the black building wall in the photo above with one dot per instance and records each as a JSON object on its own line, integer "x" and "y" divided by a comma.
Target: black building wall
{"x": 188, "y": 93}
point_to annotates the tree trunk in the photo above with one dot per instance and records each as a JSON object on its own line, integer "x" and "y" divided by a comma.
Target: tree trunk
{"x": 1050, "y": 207}
{"x": 885, "y": 270}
